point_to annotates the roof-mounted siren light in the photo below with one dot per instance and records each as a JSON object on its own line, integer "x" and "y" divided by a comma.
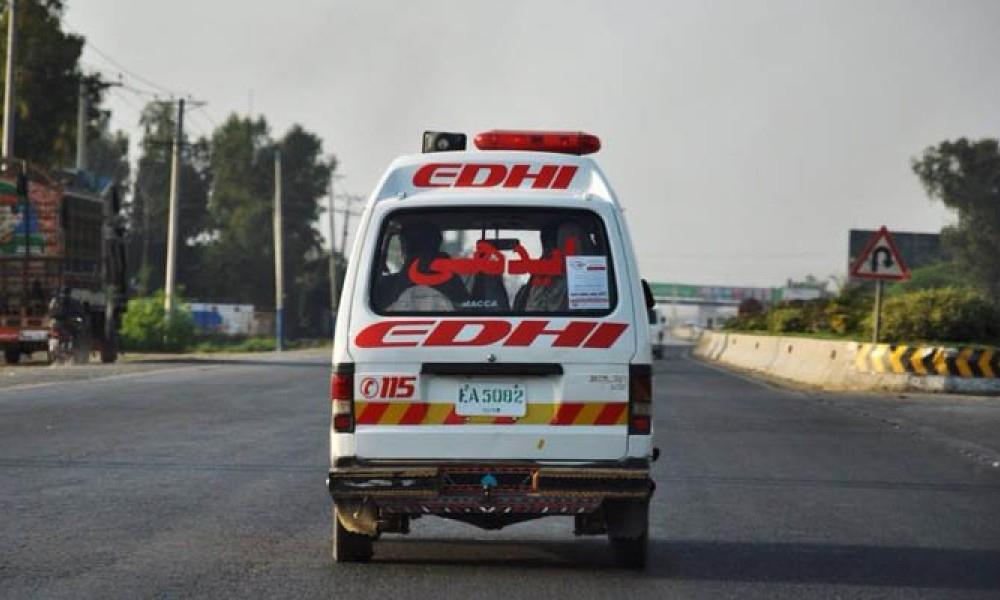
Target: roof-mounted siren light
{"x": 563, "y": 142}
{"x": 442, "y": 141}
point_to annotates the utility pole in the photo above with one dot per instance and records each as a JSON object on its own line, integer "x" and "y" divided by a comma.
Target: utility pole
{"x": 175, "y": 190}
{"x": 334, "y": 292}
{"x": 81, "y": 126}
{"x": 8, "y": 92}
{"x": 348, "y": 200}
{"x": 279, "y": 275}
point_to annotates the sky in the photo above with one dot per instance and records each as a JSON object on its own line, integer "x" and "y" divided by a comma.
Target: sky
{"x": 744, "y": 138}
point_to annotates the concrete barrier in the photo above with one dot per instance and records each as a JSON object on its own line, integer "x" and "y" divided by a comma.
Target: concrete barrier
{"x": 843, "y": 365}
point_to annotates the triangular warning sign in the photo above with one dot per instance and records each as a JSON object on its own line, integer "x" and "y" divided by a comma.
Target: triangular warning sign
{"x": 880, "y": 259}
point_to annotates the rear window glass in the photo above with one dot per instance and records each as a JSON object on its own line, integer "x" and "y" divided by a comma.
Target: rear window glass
{"x": 498, "y": 261}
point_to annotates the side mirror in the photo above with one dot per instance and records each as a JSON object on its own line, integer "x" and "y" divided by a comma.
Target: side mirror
{"x": 648, "y": 293}
{"x": 22, "y": 184}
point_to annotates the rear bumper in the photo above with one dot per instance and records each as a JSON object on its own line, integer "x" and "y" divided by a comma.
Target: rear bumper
{"x": 503, "y": 488}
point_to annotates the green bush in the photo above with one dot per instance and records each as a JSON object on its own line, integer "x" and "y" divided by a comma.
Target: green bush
{"x": 939, "y": 315}
{"x": 145, "y": 328}
{"x": 786, "y": 320}
{"x": 746, "y": 323}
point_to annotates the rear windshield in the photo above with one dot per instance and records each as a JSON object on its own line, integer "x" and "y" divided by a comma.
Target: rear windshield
{"x": 498, "y": 261}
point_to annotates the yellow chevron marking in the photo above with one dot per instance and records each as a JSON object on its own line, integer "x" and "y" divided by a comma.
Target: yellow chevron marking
{"x": 394, "y": 413}
{"x": 984, "y": 363}
{"x": 437, "y": 413}
{"x": 877, "y": 353}
{"x": 940, "y": 361}
{"x": 896, "y": 359}
{"x": 861, "y": 360}
{"x": 588, "y": 414}
{"x": 917, "y": 360}
{"x": 963, "y": 362}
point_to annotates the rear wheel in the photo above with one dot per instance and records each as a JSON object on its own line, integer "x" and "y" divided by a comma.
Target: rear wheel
{"x": 628, "y": 531}
{"x": 12, "y": 356}
{"x": 349, "y": 546}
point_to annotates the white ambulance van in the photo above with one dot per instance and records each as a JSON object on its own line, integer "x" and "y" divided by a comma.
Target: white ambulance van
{"x": 491, "y": 359}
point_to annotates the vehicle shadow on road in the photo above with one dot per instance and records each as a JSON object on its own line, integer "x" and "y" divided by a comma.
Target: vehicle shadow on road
{"x": 888, "y": 566}
{"x": 877, "y": 566}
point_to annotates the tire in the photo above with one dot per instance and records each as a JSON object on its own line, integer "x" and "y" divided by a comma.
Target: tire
{"x": 348, "y": 546}
{"x": 628, "y": 531}
{"x": 12, "y": 356}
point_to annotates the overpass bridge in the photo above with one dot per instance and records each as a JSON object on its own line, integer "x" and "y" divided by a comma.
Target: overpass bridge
{"x": 706, "y": 305}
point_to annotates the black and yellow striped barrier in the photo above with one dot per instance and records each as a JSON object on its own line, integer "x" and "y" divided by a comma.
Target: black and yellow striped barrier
{"x": 929, "y": 360}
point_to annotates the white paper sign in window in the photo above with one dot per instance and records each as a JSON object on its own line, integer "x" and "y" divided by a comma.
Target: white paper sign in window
{"x": 587, "y": 282}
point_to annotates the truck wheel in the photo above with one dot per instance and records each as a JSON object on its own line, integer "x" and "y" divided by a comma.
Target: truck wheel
{"x": 349, "y": 546}
{"x": 628, "y": 531}
{"x": 12, "y": 356}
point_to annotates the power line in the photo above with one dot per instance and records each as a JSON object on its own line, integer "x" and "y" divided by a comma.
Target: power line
{"x": 130, "y": 72}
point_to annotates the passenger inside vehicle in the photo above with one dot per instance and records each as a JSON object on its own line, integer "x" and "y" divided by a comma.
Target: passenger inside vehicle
{"x": 420, "y": 242}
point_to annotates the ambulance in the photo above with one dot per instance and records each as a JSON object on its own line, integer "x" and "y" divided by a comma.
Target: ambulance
{"x": 491, "y": 359}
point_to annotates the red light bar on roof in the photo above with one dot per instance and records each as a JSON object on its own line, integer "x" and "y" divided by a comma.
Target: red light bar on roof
{"x": 564, "y": 142}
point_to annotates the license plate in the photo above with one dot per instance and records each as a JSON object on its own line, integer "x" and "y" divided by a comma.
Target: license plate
{"x": 491, "y": 400}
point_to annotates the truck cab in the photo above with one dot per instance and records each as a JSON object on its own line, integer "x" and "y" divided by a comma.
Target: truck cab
{"x": 492, "y": 357}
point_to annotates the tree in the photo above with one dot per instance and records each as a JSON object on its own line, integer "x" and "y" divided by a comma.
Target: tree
{"x": 241, "y": 256}
{"x": 150, "y": 205}
{"x": 107, "y": 152}
{"x": 46, "y": 81}
{"x": 965, "y": 176}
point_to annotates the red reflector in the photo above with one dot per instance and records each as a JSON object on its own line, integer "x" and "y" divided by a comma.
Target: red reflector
{"x": 639, "y": 425}
{"x": 343, "y": 423}
{"x": 565, "y": 142}
{"x": 342, "y": 386}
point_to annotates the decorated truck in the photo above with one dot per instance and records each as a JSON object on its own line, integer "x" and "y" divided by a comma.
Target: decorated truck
{"x": 62, "y": 264}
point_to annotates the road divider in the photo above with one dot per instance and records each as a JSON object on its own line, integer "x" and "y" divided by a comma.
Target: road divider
{"x": 844, "y": 365}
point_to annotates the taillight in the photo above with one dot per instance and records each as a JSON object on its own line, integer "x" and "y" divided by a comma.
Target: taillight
{"x": 640, "y": 399}
{"x": 342, "y": 398}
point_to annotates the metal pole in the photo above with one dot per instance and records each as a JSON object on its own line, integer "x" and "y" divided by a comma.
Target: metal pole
{"x": 8, "y": 96}
{"x": 175, "y": 190}
{"x": 279, "y": 275}
{"x": 334, "y": 292}
{"x": 878, "y": 311}
{"x": 348, "y": 200}
{"x": 81, "y": 127}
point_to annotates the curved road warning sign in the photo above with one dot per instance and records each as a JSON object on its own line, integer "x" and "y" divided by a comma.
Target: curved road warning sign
{"x": 880, "y": 259}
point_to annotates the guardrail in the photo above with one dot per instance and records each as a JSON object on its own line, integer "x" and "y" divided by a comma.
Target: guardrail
{"x": 843, "y": 365}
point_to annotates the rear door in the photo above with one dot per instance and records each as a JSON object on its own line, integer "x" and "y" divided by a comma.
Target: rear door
{"x": 493, "y": 332}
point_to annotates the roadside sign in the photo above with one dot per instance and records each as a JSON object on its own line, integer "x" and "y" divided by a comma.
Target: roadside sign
{"x": 880, "y": 259}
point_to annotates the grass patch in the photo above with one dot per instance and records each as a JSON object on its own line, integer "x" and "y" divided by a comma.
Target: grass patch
{"x": 251, "y": 344}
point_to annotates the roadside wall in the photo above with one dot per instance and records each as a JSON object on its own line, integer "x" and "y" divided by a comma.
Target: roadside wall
{"x": 840, "y": 365}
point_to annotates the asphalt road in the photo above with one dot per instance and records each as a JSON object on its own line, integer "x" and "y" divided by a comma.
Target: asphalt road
{"x": 207, "y": 479}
